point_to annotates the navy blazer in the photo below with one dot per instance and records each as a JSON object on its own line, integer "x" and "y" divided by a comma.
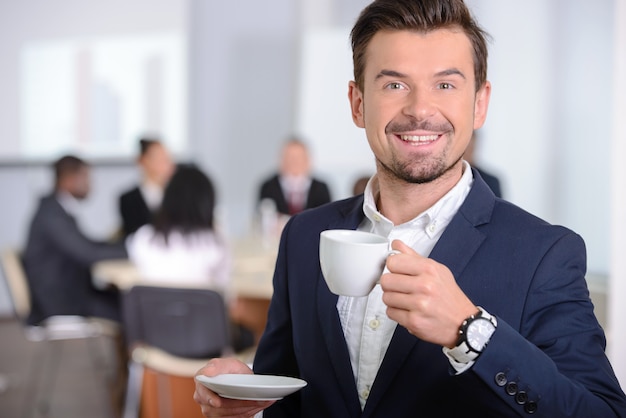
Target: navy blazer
{"x": 546, "y": 356}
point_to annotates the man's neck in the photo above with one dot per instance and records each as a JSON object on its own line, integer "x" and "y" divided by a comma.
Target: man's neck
{"x": 401, "y": 201}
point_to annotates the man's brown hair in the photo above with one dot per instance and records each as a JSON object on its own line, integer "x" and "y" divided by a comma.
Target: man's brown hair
{"x": 419, "y": 16}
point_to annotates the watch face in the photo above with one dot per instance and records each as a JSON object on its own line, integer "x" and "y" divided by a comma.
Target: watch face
{"x": 479, "y": 332}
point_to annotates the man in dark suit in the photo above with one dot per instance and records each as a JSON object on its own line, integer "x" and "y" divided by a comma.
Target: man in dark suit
{"x": 138, "y": 204}
{"x": 484, "y": 312}
{"x": 293, "y": 189}
{"x": 58, "y": 256}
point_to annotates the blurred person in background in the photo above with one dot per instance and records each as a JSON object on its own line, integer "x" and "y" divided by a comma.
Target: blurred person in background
{"x": 358, "y": 187}
{"x": 58, "y": 256}
{"x": 182, "y": 247}
{"x": 138, "y": 205}
{"x": 293, "y": 189}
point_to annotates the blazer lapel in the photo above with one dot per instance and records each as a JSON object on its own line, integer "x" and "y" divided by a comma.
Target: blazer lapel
{"x": 455, "y": 249}
{"x": 336, "y": 346}
{"x": 331, "y": 324}
{"x": 462, "y": 238}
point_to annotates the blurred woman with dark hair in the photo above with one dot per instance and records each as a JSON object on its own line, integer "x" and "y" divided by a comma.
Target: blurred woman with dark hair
{"x": 181, "y": 246}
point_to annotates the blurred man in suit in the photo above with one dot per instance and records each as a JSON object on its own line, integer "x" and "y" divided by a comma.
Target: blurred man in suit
{"x": 293, "y": 189}
{"x": 58, "y": 256}
{"x": 138, "y": 204}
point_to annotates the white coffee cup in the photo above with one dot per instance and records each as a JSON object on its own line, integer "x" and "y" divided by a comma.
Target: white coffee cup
{"x": 352, "y": 261}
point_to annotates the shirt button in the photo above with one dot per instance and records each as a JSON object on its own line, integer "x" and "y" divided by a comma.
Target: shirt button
{"x": 431, "y": 228}
{"x": 365, "y": 394}
{"x": 377, "y": 218}
{"x": 374, "y": 323}
{"x": 501, "y": 379}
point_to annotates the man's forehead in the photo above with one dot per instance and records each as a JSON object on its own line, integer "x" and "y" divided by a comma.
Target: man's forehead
{"x": 446, "y": 44}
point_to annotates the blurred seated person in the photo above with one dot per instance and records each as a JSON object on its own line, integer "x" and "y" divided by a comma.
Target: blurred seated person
{"x": 58, "y": 256}
{"x": 138, "y": 205}
{"x": 492, "y": 181}
{"x": 182, "y": 245}
{"x": 293, "y": 189}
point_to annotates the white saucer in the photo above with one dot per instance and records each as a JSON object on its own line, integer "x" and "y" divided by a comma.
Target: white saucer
{"x": 252, "y": 387}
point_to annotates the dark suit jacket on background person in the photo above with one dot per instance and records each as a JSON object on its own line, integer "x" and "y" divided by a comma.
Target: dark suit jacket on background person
{"x": 527, "y": 273}
{"x": 318, "y": 195}
{"x": 134, "y": 210}
{"x": 58, "y": 259}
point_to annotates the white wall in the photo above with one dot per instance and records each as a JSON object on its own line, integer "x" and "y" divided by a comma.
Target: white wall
{"x": 242, "y": 84}
{"x": 617, "y": 282}
{"x": 36, "y": 20}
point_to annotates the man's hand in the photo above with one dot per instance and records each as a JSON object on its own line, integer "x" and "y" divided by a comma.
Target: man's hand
{"x": 422, "y": 296}
{"x": 213, "y": 405}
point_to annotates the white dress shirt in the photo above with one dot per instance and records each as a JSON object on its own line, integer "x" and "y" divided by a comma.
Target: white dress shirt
{"x": 295, "y": 189}
{"x": 68, "y": 202}
{"x": 367, "y": 329}
{"x": 152, "y": 194}
{"x": 195, "y": 259}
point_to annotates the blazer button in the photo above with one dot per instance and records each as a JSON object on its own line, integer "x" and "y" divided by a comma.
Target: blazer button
{"x": 501, "y": 379}
{"x": 511, "y": 388}
{"x": 521, "y": 397}
{"x": 530, "y": 407}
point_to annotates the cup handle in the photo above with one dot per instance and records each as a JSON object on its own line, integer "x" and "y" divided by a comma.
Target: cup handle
{"x": 389, "y": 254}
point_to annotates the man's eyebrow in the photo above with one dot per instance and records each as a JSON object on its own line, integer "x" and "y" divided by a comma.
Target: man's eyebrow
{"x": 390, "y": 73}
{"x": 450, "y": 71}
{"x": 397, "y": 74}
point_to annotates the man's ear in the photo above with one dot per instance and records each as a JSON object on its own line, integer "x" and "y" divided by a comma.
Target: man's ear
{"x": 481, "y": 104}
{"x": 356, "y": 104}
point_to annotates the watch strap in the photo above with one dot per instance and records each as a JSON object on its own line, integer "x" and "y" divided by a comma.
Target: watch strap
{"x": 462, "y": 354}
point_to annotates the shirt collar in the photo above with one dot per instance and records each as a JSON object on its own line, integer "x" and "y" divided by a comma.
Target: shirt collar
{"x": 152, "y": 194}
{"x": 433, "y": 219}
{"x": 294, "y": 183}
{"x": 68, "y": 202}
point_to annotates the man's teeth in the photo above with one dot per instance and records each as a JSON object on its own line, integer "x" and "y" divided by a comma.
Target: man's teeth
{"x": 419, "y": 138}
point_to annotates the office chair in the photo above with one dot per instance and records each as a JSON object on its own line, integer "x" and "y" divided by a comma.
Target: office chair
{"x": 56, "y": 328}
{"x": 172, "y": 333}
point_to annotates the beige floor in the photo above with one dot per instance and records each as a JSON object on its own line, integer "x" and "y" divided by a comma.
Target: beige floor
{"x": 58, "y": 379}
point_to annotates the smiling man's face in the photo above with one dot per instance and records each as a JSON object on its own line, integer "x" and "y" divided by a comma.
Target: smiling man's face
{"x": 419, "y": 105}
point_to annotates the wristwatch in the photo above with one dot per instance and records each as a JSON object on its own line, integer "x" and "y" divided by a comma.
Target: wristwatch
{"x": 474, "y": 335}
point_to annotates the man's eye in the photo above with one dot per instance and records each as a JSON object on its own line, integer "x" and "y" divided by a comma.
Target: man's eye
{"x": 445, "y": 86}
{"x": 394, "y": 86}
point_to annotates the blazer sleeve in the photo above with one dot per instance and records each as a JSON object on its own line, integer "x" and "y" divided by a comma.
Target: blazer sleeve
{"x": 555, "y": 366}
{"x": 63, "y": 232}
